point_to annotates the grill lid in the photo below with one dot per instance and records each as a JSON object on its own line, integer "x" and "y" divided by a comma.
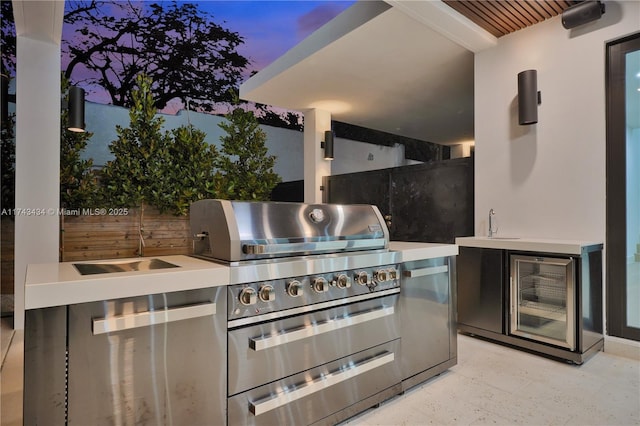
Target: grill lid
{"x": 243, "y": 230}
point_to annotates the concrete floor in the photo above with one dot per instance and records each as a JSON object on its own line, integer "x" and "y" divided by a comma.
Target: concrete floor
{"x": 498, "y": 385}
{"x": 491, "y": 384}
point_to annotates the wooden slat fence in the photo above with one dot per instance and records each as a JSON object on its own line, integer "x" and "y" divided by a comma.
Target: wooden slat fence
{"x": 91, "y": 237}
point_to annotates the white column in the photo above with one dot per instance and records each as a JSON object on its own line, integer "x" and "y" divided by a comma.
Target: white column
{"x": 37, "y": 160}
{"x": 316, "y": 122}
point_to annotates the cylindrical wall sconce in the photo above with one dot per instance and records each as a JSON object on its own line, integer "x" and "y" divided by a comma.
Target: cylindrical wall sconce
{"x": 528, "y": 97}
{"x": 327, "y": 144}
{"x": 582, "y": 13}
{"x": 76, "y": 109}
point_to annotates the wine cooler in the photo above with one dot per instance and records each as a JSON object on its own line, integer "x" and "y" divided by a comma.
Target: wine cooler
{"x": 542, "y": 300}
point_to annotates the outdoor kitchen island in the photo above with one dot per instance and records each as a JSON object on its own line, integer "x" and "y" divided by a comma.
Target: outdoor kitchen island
{"x": 172, "y": 339}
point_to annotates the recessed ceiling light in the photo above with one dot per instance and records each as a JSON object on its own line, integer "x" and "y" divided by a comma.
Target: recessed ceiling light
{"x": 331, "y": 105}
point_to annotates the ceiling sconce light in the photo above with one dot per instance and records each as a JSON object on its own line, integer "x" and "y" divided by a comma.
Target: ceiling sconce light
{"x": 528, "y": 97}
{"x": 327, "y": 145}
{"x": 76, "y": 109}
{"x": 581, "y": 13}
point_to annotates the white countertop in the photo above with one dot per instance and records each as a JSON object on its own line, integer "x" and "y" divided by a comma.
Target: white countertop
{"x": 528, "y": 244}
{"x": 57, "y": 284}
{"x": 417, "y": 251}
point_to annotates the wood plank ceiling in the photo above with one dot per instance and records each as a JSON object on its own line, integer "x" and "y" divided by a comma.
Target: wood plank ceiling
{"x": 501, "y": 17}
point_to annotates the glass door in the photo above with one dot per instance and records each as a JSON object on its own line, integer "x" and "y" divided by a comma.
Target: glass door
{"x": 542, "y": 300}
{"x": 623, "y": 191}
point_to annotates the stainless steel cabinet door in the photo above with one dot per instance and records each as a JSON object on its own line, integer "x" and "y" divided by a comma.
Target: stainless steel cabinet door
{"x": 157, "y": 359}
{"x": 481, "y": 288}
{"x": 426, "y": 315}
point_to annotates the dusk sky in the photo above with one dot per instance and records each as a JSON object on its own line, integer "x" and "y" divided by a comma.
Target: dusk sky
{"x": 269, "y": 28}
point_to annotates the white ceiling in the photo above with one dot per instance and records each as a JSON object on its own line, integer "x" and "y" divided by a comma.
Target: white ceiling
{"x": 382, "y": 66}
{"x": 39, "y": 19}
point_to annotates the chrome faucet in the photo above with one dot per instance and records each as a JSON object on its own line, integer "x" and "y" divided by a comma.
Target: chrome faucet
{"x": 491, "y": 213}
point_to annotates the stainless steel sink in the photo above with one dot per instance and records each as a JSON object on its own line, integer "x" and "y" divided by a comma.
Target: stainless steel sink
{"x": 122, "y": 266}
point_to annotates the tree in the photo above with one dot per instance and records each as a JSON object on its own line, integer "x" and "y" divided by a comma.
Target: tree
{"x": 8, "y": 37}
{"x": 133, "y": 175}
{"x": 166, "y": 170}
{"x": 246, "y": 171}
{"x": 186, "y": 54}
{"x": 78, "y": 184}
{"x": 189, "y": 173}
{"x": 287, "y": 120}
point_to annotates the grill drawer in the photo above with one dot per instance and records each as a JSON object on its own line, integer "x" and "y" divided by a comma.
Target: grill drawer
{"x": 266, "y": 352}
{"x": 317, "y": 395}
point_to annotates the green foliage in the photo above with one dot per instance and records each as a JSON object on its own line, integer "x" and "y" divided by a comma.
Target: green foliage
{"x": 188, "y": 174}
{"x": 132, "y": 175}
{"x": 165, "y": 170}
{"x": 78, "y": 184}
{"x": 246, "y": 171}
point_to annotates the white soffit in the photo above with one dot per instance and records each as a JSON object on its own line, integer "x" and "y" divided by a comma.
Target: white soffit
{"x": 377, "y": 67}
{"x": 39, "y": 20}
{"x": 448, "y": 22}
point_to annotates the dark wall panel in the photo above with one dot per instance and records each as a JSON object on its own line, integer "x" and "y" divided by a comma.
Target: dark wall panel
{"x": 359, "y": 188}
{"x": 430, "y": 202}
{"x": 289, "y": 191}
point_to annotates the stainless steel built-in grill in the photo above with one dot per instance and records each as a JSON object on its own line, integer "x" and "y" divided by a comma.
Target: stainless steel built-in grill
{"x": 233, "y": 231}
{"x": 312, "y": 331}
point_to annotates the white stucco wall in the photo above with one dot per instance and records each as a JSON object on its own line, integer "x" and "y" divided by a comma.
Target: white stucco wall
{"x": 37, "y": 160}
{"x": 546, "y": 180}
{"x": 286, "y": 145}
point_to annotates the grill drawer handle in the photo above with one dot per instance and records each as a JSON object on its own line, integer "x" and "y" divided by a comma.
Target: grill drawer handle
{"x": 423, "y": 272}
{"x": 261, "y": 343}
{"x": 320, "y": 383}
{"x": 143, "y": 319}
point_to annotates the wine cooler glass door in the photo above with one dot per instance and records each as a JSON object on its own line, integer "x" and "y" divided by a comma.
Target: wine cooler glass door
{"x": 542, "y": 300}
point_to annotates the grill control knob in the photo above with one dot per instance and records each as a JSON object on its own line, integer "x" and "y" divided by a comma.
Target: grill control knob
{"x": 380, "y": 275}
{"x": 362, "y": 278}
{"x": 392, "y": 274}
{"x": 320, "y": 285}
{"x": 248, "y": 296}
{"x": 266, "y": 293}
{"x": 294, "y": 288}
{"x": 343, "y": 281}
